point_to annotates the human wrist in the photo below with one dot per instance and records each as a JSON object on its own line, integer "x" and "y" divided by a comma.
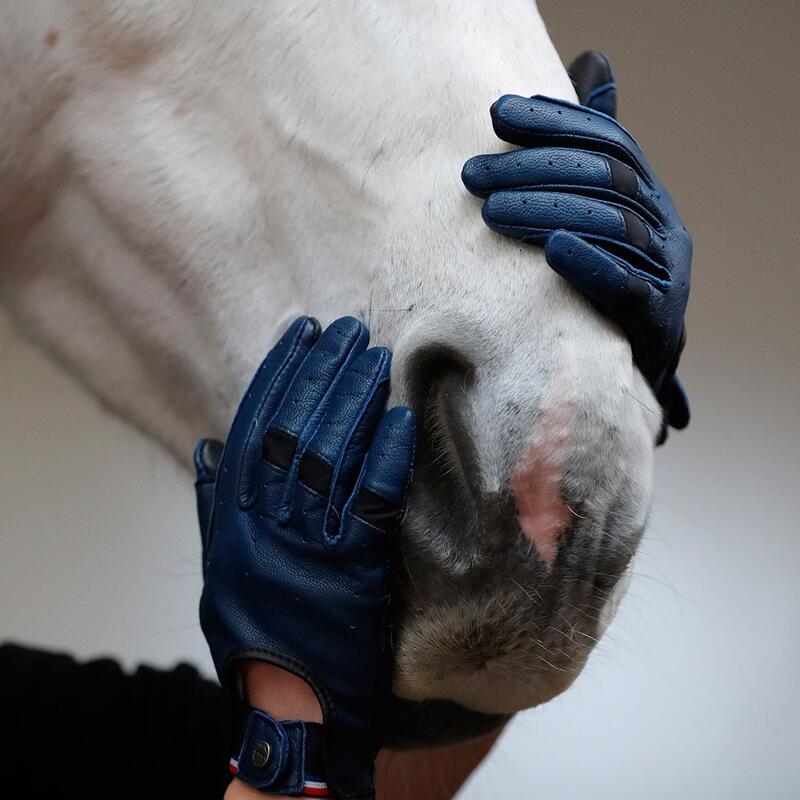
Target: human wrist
{"x": 284, "y": 697}
{"x": 281, "y": 694}
{"x": 237, "y": 790}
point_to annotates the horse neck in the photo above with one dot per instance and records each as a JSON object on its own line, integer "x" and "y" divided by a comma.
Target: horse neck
{"x": 378, "y": 120}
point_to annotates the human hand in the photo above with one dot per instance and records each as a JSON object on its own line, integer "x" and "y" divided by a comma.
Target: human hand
{"x": 310, "y": 486}
{"x": 582, "y": 188}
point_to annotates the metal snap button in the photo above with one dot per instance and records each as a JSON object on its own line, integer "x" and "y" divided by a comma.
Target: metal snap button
{"x": 261, "y": 753}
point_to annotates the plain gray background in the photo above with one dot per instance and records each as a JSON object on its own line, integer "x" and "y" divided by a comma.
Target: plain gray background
{"x": 694, "y": 691}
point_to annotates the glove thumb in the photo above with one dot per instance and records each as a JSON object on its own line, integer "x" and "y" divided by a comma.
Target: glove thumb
{"x": 207, "y": 455}
{"x": 594, "y": 82}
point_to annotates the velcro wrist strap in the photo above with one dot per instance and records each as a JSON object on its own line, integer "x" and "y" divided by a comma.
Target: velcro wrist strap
{"x": 280, "y": 757}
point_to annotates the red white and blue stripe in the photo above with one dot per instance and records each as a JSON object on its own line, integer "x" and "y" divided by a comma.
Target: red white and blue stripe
{"x": 315, "y": 787}
{"x": 312, "y": 785}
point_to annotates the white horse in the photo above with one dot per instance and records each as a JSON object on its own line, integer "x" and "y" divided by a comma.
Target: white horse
{"x": 180, "y": 178}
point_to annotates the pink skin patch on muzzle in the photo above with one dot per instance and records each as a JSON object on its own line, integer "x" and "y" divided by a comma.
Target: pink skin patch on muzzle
{"x": 536, "y": 481}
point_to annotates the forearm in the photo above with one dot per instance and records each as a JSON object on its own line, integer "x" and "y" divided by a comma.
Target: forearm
{"x": 435, "y": 774}
{"x": 241, "y": 791}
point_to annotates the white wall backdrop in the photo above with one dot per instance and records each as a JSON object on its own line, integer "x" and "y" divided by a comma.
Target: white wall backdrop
{"x": 694, "y": 692}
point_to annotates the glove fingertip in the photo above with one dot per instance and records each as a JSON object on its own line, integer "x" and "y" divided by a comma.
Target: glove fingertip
{"x": 560, "y": 248}
{"x": 309, "y": 329}
{"x": 471, "y": 175}
{"x": 488, "y": 211}
{"x": 678, "y": 409}
{"x": 380, "y": 496}
{"x": 505, "y": 213}
{"x": 207, "y": 455}
{"x": 504, "y": 111}
{"x": 594, "y": 83}
{"x": 351, "y": 327}
{"x": 393, "y": 448}
{"x": 591, "y": 271}
{"x": 502, "y": 102}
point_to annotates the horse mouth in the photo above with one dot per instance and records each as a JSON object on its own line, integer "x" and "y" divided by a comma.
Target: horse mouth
{"x": 496, "y": 629}
{"x": 493, "y": 652}
{"x": 497, "y": 687}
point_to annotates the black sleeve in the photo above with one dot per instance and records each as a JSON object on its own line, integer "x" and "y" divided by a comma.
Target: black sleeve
{"x": 94, "y": 730}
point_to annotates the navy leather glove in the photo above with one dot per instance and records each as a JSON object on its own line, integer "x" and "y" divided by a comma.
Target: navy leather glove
{"x": 582, "y": 188}
{"x": 297, "y": 523}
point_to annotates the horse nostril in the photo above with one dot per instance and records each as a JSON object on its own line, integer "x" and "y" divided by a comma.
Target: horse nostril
{"x": 441, "y": 379}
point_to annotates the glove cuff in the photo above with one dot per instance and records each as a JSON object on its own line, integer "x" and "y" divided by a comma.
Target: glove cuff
{"x": 283, "y": 758}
